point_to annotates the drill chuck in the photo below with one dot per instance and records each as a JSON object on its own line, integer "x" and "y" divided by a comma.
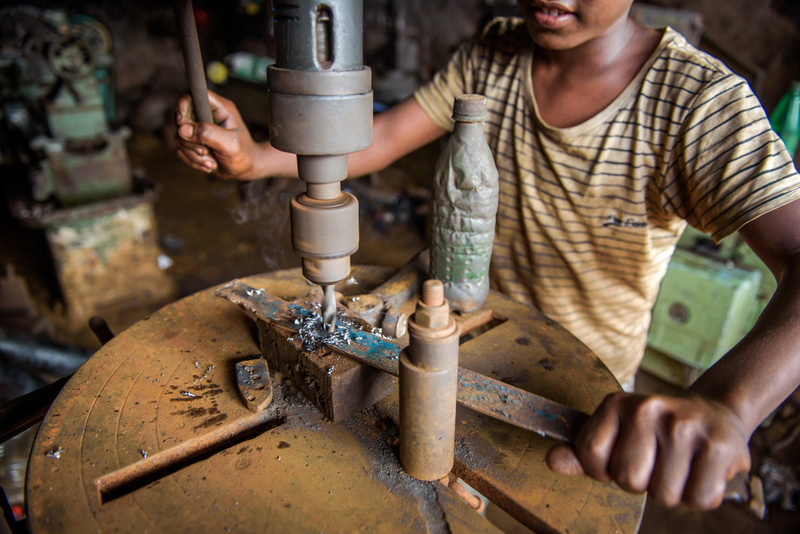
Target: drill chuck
{"x": 325, "y": 235}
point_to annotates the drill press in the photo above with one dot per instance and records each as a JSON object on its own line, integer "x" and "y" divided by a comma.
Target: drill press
{"x": 320, "y": 108}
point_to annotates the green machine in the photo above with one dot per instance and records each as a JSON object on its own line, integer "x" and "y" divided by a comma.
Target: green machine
{"x": 56, "y": 112}
{"x": 57, "y": 99}
{"x": 709, "y": 299}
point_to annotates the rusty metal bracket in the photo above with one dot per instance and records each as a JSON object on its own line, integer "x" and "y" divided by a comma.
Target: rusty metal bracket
{"x": 478, "y": 392}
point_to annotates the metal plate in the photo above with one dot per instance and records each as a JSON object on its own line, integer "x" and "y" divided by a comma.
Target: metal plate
{"x": 153, "y": 387}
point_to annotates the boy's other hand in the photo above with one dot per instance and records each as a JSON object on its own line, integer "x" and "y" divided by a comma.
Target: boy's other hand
{"x": 681, "y": 450}
{"x": 225, "y": 147}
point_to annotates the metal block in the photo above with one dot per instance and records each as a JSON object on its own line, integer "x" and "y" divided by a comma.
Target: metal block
{"x": 703, "y": 309}
{"x": 337, "y": 385}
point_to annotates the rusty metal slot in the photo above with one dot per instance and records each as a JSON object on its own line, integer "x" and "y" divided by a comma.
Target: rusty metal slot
{"x": 162, "y": 464}
{"x": 324, "y": 37}
{"x": 478, "y": 323}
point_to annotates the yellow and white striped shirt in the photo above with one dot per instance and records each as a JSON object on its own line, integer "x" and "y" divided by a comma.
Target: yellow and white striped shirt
{"x": 589, "y": 215}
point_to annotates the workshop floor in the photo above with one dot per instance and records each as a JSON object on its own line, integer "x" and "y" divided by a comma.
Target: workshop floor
{"x": 215, "y": 230}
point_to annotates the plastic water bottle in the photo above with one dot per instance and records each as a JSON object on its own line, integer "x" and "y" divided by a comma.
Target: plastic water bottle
{"x": 785, "y": 119}
{"x": 464, "y": 208}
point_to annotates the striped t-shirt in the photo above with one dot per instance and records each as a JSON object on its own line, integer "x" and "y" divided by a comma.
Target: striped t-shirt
{"x": 589, "y": 215}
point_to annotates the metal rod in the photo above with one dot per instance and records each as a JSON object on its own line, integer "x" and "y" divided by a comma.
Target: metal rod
{"x": 134, "y": 476}
{"x": 193, "y": 60}
{"x": 101, "y": 329}
{"x": 44, "y": 356}
{"x": 25, "y": 411}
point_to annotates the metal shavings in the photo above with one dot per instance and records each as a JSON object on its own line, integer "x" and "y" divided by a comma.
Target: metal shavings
{"x": 188, "y": 394}
{"x": 143, "y": 453}
{"x": 314, "y": 334}
{"x": 205, "y": 374}
{"x": 255, "y": 292}
{"x": 56, "y": 453}
{"x": 197, "y": 364}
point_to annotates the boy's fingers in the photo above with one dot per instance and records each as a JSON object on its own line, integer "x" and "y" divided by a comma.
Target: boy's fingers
{"x": 214, "y": 137}
{"x": 597, "y": 438}
{"x": 562, "y": 459}
{"x": 197, "y": 160}
{"x": 192, "y": 163}
{"x": 184, "y": 113}
{"x": 634, "y": 457}
{"x": 705, "y": 488}
{"x": 225, "y": 111}
{"x": 670, "y": 474}
{"x": 221, "y": 108}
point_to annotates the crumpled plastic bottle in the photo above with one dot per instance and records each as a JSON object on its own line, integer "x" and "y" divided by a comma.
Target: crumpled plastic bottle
{"x": 464, "y": 208}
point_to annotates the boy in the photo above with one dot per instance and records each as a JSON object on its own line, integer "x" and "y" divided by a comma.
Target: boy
{"x": 609, "y": 138}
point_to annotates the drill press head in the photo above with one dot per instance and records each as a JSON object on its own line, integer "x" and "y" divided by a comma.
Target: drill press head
{"x": 320, "y": 106}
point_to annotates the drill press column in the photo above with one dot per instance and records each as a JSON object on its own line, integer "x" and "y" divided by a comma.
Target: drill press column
{"x": 320, "y": 107}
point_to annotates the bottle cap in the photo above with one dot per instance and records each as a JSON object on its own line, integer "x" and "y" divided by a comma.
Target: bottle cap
{"x": 470, "y": 108}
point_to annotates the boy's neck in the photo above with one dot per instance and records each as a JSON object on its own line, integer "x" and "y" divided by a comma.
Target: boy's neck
{"x": 597, "y": 53}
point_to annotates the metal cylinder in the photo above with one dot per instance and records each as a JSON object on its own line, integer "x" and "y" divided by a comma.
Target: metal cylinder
{"x": 320, "y": 108}
{"x": 428, "y": 388}
{"x": 325, "y": 235}
{"x": 326, "y": 271}
{"x": 193, "y": 60}
{"x": 319, "y": 34}
{"x": 320, "y": 96}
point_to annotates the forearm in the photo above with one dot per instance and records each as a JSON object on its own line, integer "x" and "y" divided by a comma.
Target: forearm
{"x": 764, "y": 368}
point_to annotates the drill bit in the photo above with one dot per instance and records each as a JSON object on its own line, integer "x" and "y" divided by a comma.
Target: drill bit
{"x": 329, "y": 307}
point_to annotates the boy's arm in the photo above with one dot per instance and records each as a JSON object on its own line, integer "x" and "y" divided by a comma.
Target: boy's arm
{"x": 228, "y": 149}
{"x": 683, "y": 449}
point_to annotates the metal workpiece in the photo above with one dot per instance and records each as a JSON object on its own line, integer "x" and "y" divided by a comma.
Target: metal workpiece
{"x": 394, "y": 323}
{"x": 429, "y": 387}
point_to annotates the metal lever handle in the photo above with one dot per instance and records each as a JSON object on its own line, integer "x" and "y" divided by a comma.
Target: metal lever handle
{"x": 193, "y": 60}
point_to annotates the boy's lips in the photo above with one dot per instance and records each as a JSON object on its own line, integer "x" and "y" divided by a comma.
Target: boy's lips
{"x": 551, "y": 14}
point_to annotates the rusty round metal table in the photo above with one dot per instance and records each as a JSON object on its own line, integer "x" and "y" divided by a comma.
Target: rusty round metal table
{"x": 169, "y": 379}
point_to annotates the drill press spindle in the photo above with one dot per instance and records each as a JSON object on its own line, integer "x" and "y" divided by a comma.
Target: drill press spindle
{"x": 320, "y": 107}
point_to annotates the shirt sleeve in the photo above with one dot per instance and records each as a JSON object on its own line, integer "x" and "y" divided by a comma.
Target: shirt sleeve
{"x": 732, "y": 166}
{"x": 457, "y": 78}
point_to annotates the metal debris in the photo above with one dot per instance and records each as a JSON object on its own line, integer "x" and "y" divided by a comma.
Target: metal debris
{"x": 56, "y": 453}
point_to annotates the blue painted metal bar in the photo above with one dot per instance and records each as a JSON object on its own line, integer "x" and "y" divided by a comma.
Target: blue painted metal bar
{"x": 475, "y": 391}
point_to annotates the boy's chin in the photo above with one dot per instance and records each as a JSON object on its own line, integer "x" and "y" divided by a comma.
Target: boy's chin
{"x": 557, "y": 39}
{"x": 550, "y": 41}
